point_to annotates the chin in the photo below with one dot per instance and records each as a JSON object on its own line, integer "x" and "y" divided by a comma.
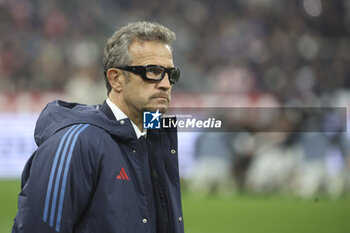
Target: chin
{"x": 162, "y": 108}
{"x": 156, "y": 104}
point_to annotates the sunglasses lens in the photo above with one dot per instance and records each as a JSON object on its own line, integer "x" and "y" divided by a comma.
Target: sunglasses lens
{"x": 155, "y": 73}
{"x": 174, "y": 75}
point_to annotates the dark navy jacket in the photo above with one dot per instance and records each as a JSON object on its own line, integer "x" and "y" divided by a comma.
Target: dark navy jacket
{"x": 90, "y": 174}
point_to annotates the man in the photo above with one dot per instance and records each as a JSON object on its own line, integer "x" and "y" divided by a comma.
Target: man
{"x": 96, "y": 169}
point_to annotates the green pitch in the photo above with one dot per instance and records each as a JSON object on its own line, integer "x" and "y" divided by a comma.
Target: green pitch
{"x": 257, "y": 214}
{"x": 9, "y": 190}
{"x": 235, "y": 214}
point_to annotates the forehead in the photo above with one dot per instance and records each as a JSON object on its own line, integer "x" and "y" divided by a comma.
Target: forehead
{"x": 151, "y": 52}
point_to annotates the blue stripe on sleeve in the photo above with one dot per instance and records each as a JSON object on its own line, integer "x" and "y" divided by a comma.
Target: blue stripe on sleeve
{"x": 58, "y": 176}
{"x": 64, "y": 182}
{"x": 53, "y": 169}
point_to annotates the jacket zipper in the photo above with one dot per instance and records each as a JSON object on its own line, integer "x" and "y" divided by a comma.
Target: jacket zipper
{"x": 148, "y": 188}
{"x": 164, "y": 198}
{"x": 170, "y": 228}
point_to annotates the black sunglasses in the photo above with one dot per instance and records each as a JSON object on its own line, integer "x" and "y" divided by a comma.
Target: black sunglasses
{"x": 154, "y": 72}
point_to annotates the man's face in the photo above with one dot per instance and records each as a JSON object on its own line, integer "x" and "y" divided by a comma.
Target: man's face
{"x": 140, "y": 94}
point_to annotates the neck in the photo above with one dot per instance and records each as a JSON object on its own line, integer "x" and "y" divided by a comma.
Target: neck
{"x": 138, "y": 123}
{"x": 133, "y": 115}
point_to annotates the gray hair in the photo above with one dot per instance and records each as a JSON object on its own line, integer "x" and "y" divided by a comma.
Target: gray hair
{"x": 116, "y": 52}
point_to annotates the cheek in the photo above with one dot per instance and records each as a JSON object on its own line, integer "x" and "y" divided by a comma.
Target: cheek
{"x": 141, "y": 95}
{"x": 140, "y": 92}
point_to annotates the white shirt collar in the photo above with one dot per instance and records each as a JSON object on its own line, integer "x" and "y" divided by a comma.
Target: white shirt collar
{"x": 120, "y": 115}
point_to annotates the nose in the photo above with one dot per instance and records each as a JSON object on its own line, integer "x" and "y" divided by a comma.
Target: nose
{"x": 164, "y": 83}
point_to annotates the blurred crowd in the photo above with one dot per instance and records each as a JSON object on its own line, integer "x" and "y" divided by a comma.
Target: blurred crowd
{"x": 288, "y": 47}
{"x": 297, "y": 51}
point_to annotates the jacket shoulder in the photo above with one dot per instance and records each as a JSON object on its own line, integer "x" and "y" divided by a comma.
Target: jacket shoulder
{"x": 82, "y": 139}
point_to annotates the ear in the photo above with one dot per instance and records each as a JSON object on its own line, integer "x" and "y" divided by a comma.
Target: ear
{"x": 114, "y": 78}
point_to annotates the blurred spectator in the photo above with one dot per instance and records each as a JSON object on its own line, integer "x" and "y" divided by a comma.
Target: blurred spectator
{"x": 213, "y": 168}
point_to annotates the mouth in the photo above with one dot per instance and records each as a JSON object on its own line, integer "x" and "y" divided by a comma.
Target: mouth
{"x": 162, "y": 97}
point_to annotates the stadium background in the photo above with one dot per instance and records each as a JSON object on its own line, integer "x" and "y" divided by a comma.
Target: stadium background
{"x": 242, "y": 53}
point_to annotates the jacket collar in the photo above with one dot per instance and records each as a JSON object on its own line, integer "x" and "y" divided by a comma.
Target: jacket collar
{"x": 154, "y": 134}
{"x": 107, "y": 111}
